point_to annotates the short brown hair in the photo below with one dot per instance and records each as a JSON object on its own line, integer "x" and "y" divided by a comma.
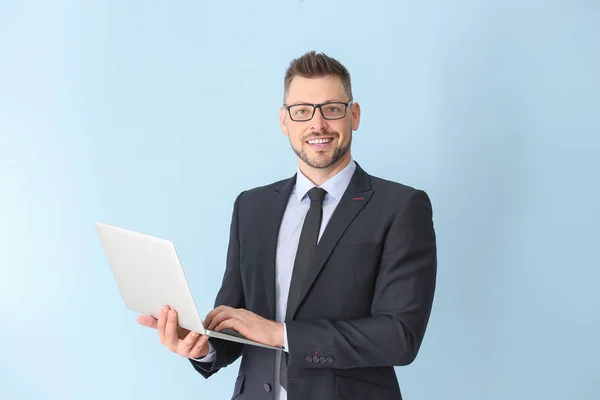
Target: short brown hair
{"x": 316, "y": 65}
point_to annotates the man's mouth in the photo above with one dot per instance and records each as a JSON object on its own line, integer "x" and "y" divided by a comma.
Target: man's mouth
{"x": 319, "y": 141}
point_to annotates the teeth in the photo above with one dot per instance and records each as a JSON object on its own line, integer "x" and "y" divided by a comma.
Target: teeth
{"x": 319, "y": 141}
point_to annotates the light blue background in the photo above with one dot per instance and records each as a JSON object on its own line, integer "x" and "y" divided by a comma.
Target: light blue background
{"x": 155, "y": 115}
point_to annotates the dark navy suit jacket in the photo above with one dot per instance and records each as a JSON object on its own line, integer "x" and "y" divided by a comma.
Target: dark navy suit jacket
{"x": 365, "y": 305}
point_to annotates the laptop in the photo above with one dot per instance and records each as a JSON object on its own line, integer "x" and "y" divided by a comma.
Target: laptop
{"x": 149, "y": 274}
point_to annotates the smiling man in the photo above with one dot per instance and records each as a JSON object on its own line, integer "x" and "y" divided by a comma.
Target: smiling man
{"x": 322, "y": 143}
{"x": 333, "y": 264}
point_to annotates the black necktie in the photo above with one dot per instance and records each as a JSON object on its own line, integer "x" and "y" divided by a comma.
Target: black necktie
{"x": 304, "y": 257}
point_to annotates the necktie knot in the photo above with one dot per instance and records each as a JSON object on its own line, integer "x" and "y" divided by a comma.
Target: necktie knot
{"x": 317, "y": 195}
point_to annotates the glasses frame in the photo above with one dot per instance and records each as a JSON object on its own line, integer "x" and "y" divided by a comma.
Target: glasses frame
{"x": 314, "y": 108}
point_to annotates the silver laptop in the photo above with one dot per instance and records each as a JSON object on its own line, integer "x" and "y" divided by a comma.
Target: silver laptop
{"x": 149, "y": 275}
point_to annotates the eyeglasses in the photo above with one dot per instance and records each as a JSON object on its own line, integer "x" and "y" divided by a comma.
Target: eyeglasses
{"x": 330, "y": 111}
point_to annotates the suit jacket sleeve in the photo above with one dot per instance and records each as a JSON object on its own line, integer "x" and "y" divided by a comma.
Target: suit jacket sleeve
{"x": 231, "y": 294}
{"x": 401, "y": 305}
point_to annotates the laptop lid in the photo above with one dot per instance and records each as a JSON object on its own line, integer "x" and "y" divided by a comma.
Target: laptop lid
{"x": 149, "y": 274}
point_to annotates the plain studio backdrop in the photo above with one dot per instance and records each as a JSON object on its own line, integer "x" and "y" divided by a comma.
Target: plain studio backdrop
{"x": 155, "y": 115}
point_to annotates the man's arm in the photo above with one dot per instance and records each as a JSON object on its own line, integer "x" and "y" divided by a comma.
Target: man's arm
{"x": 223, "y": 352}
{"x": 401, "y": 304}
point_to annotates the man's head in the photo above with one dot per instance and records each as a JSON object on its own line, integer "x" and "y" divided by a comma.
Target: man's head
{"x": 320, "y": 137}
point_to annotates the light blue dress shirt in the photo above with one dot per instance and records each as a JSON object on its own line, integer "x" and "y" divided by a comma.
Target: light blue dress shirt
{"x": 287, "y": 245}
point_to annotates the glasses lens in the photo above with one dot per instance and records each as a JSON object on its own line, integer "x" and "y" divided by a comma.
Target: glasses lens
{"x": 301, "y": 112}
{"x": 334, "y": 110}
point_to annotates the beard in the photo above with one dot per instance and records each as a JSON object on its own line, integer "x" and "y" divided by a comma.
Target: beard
{"x": 322, "y": 159}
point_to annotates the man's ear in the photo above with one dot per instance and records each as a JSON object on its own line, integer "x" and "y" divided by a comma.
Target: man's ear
{"x": 355, "y": 116}
{"x": 283, "y": 121}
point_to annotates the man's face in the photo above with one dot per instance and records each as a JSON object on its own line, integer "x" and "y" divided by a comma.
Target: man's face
{"x": 319, "y": 142}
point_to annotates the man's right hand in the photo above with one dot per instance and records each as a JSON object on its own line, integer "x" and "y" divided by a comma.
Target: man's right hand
{"x": 177, "y": 339}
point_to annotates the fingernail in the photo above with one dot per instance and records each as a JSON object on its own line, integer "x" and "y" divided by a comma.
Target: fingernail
{"x": 165, "y": 309}
{"x": 172, "y": 314}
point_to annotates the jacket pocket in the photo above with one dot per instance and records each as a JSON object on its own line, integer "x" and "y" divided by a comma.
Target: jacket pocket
{"x": 239, "y": 386}
{"x": 354, "y": 389}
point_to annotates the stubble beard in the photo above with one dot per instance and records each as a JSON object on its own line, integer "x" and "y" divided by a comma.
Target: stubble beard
{"x": 321, "y": 160}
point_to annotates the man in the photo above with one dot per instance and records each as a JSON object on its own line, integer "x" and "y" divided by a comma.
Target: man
{"x": 346, "y": 310}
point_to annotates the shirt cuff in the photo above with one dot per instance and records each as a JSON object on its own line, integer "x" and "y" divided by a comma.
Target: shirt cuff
{"x": 210, "y": 357}
{"x": 285, "y": 340}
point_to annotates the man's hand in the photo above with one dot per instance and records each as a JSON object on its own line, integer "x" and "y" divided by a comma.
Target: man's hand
{"x": 177, "y": 339}
{"x": 247, "y": 323}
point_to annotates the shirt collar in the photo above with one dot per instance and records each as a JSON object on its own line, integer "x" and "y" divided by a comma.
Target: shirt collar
{"x": 335, "y": 186}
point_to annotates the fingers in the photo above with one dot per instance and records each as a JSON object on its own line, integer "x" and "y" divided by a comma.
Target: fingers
{"x": 226, "y": 314}
{"x": 200, "y": 348}
{"x": 218, "y": 318}
{"x": 232, "y": 323}
{"x": 162, "y": 323}
{"x": 148, "y": 321}
{"x": 185, "y": 346}
{"x": 211, "y": 315}
{"x": 191, "y": 344}
{"x": 171, "y": 336}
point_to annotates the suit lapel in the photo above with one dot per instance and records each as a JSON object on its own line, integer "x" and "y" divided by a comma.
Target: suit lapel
{"x": 272, "y": 216}
{"x": 352, "y": 202}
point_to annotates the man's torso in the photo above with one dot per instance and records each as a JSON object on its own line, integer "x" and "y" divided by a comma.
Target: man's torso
{"x": 342, "y": 283}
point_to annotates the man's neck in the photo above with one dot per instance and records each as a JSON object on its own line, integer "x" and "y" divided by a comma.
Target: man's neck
{"x": 318, "y": 176}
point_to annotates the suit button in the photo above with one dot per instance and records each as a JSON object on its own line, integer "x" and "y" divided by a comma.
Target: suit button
{"x": 329, "y": 359}
{"x": 323, "y": 359}
{"x": 308, "y": 359}
{"x": 267, "y": 387}
{"x": 315, "y": 359}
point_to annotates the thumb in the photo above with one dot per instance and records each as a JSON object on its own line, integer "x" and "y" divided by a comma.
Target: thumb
{"x": 200, "y": 348}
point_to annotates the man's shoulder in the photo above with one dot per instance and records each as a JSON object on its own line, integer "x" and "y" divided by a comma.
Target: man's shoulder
{"x": 396, "y": 194}
{"x": 393, "y": 187}
{"x": 260, "y": 192}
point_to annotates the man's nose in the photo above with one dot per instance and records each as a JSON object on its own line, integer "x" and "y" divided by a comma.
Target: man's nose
{"x": 318, "y": 123}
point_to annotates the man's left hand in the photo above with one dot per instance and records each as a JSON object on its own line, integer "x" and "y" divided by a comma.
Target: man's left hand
{"x": 248, "y": 324}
